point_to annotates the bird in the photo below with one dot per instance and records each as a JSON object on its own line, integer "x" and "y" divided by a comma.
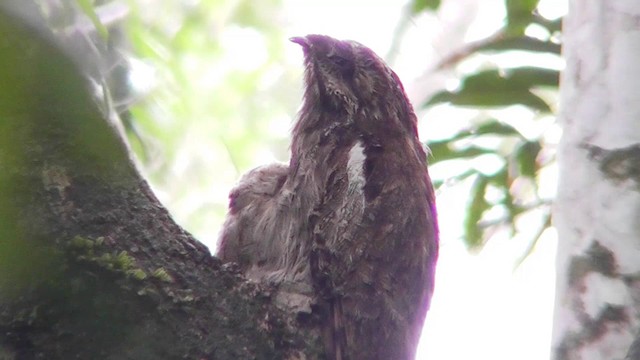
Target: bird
{"x": 350, "y": 224}
{"x": 241, "y": 240}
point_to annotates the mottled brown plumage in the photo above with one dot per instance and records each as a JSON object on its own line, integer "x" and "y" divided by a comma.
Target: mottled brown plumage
{"x": 351, "y": 223}
{"x": 244, "y": 236}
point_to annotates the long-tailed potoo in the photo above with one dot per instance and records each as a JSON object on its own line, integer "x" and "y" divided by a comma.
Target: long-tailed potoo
{"x": 350, "y": 222}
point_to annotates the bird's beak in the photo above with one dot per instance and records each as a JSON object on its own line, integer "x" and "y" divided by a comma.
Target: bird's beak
{"x": 302, "y": 41}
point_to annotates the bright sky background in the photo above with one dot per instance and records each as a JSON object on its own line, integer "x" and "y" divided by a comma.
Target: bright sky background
{"x": 485, "y": 307}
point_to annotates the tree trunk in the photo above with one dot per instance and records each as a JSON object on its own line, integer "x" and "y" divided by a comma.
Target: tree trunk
{"x": 91, "y": 265}
{"x": 598, "y": 206}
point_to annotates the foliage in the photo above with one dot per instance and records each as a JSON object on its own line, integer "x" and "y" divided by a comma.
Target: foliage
{"x": 418, "y": 6}
{"x": 208, "y": 104}
{"x": 498, "y": 197}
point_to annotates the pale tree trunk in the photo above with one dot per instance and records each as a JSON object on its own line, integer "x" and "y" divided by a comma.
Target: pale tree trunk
{"x": 598, "y": 205}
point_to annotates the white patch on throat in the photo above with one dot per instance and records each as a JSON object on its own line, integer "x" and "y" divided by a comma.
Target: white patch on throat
{"x": 355, "y": 167}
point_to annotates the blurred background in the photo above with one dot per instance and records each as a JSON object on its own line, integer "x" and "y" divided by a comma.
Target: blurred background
{"x": 208, "y": 89}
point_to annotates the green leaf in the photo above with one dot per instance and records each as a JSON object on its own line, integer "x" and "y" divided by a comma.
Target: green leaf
{"x": 553, "y": 26}
{"x": 490, "y": 127}
{"x": 442, "y": 151}
{"x": 495, "y": 88}
{"x": 418, "y": 6}
{"x": 502, "y": 181}
{"x": 534, "y": 76}
{"x": 526, "y": 156}
{"x": 519, "y": 14}
{"x": 524, "y": 43}
{"x": 475, "y": 209}
{"x": 257, "y": 14}
{"x": 522, "y": 78}
{"x": 87, "y": 9}
{"x": 494, "y": 127}
{"x": 474, "y": 98}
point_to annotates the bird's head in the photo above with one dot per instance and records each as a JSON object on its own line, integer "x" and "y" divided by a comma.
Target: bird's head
{"x": 345, "y": 77}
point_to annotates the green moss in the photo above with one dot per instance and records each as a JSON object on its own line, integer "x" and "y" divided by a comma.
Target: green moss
{"x": 78, "y": 242}
{"x": 161, "y": 274}
{"x": 90, "y": 250}
{"x": 137, "y": 274}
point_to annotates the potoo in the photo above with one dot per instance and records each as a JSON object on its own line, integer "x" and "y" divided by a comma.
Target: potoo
{"x": 350, "y": 225}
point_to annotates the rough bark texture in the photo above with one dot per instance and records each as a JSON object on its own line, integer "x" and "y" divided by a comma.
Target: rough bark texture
{"x": 598, "y": 203}
{"x": 91, "y": 264}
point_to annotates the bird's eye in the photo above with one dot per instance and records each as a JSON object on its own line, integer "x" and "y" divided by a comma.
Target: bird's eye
{"x": 344, "y": 64}
{"x": 338, "y": 60}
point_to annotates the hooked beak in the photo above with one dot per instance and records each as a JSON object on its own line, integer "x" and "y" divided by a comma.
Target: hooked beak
{"x": 302, "y": 41}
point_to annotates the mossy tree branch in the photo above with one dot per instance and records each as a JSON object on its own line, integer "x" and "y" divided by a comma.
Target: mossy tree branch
{"x": 91, "y": 264}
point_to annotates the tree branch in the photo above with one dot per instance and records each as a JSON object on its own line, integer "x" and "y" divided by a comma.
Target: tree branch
{"x": 91, "y": 264}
